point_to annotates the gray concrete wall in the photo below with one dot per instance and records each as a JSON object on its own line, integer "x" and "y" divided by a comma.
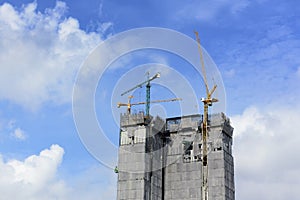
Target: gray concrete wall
{"x": 140, "y": 158}
{"x": 183, "y": 170}
{"x": 158, "y": 161}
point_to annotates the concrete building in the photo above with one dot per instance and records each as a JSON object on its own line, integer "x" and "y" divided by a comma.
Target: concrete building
{"x": 161, "y": 159}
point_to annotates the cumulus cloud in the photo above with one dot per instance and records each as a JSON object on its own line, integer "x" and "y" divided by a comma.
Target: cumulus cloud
{"x": 37, "y": 178}
{"x": 266, "y": 147}
{"x": 33, "y": 178}
{"x": 40, "y": 54}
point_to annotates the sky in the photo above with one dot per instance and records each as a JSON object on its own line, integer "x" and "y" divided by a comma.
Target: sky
{"x": 45, "y": 49}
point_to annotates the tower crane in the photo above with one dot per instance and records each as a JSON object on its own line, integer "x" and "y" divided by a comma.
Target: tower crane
{"x": 147, "y": 82}
{"x": 129, "y": 104}
{"x": 126, "y": 104}
{"x": 207, "y": 101}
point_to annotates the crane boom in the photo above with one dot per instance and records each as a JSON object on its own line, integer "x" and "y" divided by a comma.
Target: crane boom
{"x": 129, "y": 104}
{"x": 202, "y": 61}
{"x": 157, "y": 75}
{"x": 158, "y": 101}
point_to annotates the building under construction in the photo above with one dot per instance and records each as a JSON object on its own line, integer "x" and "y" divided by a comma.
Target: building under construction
{"x": 162, "y": 159}
{"x": 186, "y": 157}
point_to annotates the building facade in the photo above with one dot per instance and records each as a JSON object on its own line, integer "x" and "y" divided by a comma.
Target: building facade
{"x": 161, "y": 159}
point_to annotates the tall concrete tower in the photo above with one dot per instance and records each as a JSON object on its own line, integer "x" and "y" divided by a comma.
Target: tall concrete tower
{"x": 140, "y": 157}
{"x": 161, "y": 159}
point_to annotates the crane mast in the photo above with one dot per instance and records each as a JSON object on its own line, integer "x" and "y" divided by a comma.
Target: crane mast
{"x": 148, "y": 95}
{"x": 207, "y": 101}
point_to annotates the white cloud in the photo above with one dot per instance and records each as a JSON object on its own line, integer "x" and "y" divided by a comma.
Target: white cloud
{"x": 19, "y": 134}
{"x": 37, "y": 178}
{"x": 266, "y": 147}
{"x": 33, "y": 178}
{"x": 10, "y": 128}
{"x": 40, "y": 54}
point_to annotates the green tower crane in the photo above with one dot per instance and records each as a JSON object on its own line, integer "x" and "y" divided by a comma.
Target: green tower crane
{"x": 147, "y": 82}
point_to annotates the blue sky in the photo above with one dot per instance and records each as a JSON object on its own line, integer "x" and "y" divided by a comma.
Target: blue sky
{"x": 254, "y": 44}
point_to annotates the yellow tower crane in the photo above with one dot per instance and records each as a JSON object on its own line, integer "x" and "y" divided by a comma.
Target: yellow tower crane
{"x": 129, "y": 104}
{"x": 207, "y": 101}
